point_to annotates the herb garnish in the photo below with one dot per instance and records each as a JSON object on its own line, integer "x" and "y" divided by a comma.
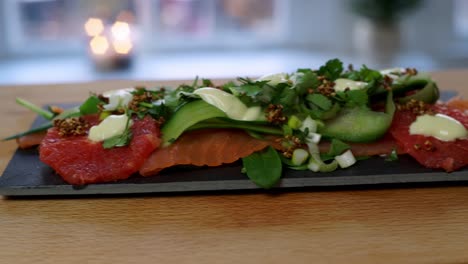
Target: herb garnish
{"x": 122, "y": 139}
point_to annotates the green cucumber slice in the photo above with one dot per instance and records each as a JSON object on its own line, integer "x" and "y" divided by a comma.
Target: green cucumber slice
{"x": 360, "y": 124}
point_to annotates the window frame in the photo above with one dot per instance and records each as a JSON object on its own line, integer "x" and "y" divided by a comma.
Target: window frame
{"x": 16, "y": 43}
{"x": 217, "y": 41}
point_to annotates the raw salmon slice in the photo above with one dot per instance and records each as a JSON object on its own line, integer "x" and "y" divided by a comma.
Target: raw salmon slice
{"x": 383, "y": 146}
{"x": 458, "y": 104}
{"x": 208, "y": 147}
{"x": 30, "y": 140}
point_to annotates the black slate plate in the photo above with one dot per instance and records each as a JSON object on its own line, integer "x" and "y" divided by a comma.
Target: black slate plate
{"x": 26, "y": 175}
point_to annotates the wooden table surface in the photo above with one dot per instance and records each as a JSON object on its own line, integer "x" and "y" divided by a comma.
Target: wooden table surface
{"x": 422, "y": 225}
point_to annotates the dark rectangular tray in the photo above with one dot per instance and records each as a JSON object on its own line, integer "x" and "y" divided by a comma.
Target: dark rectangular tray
{"x": 26, "y": 175}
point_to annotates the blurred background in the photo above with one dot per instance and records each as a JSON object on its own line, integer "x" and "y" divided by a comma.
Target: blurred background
{"x": 55, "y": 41}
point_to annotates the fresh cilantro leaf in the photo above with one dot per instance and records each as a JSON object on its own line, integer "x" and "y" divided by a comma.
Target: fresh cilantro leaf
{"x": 287, "y": 97}
{"x": 207, "y": 83}
{"x": 282, "y": 94}
{"x": 227, "y": 86}
{"x": 118, "y": 141}
{"x": 364, "y": 75}
{"x": 320, "y": 100}
{"x": 358, "y": 97}
{"x": 301, "y": 134}
{"x": 354, "y": 98}
{"x": 122, "y": 139}
{"x": 250, "y": 90}
{"x": 158, "y": 111}
{"x": 181, "y": 95}
{"x": 369, "y": 75}
{"x": 305, "y": 79}
{"x": 90, "y": 106}
{"x": 138, "y": 91}
{"x": 255, "y": 92}
{"x": 332, "y": 69}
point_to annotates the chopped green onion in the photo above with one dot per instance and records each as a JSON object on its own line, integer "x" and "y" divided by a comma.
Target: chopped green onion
{"x": 346, "y": 159}
{"x": 313, "y": 165}
{"x": 393, "y": 156}
{"x": 313, "y": 137}
{"x": 294, "y": 122}
{"x": 313, "y": 148}
{"x": 310, "y": 124}
{"x": 299, "y": 156}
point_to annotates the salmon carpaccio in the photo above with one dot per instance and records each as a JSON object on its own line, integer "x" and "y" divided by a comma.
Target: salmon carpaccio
{"x": 31, "y": 140}
{"x": 208, "y": 147}
{"x": 215, "y": 147}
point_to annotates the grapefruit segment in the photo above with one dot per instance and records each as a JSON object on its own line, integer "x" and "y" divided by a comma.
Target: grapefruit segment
{"x": 429, "y": 151}
{"x": 80, "y": 161}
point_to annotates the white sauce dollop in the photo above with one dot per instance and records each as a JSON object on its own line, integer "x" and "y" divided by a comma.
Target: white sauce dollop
{"x": 274, "y": 79}
{"x": 392, "y": 72}
{"x": 341, "y": 84}
{"x": 118, "y": 98}
{"x": 440, "y": 126}
{"x": 229, "y": 104}
{"x": 111, "y": 126}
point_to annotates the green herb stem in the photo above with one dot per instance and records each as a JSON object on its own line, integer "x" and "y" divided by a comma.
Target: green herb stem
{"x": 42, "y": 112}
{"x": 240, "y": 125}
{"x": 40, "y": 128}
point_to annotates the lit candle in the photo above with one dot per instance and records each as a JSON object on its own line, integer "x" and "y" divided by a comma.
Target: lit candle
{"x": 110, "y": 47}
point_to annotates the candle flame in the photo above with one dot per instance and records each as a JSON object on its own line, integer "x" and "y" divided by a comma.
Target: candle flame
{"x": 94, "y": 27}
{"x": 121, "y": 31}
{"x": 99, "y": 45}
{"x": 122, "y": 47}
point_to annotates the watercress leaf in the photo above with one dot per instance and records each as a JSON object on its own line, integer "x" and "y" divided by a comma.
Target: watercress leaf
{"x": 337, "y": 147}
{"x": 320, "y": 100}
{"x": 332, "y": 69}
{"x": 90, "y": 106}
{"x": 264, "y": 168}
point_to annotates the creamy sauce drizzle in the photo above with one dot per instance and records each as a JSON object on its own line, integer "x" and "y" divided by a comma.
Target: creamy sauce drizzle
{"x": 440, "y": 126}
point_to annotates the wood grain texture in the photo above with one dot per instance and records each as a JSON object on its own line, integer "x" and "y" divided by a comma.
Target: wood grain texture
{"x": 406, "y": 225}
